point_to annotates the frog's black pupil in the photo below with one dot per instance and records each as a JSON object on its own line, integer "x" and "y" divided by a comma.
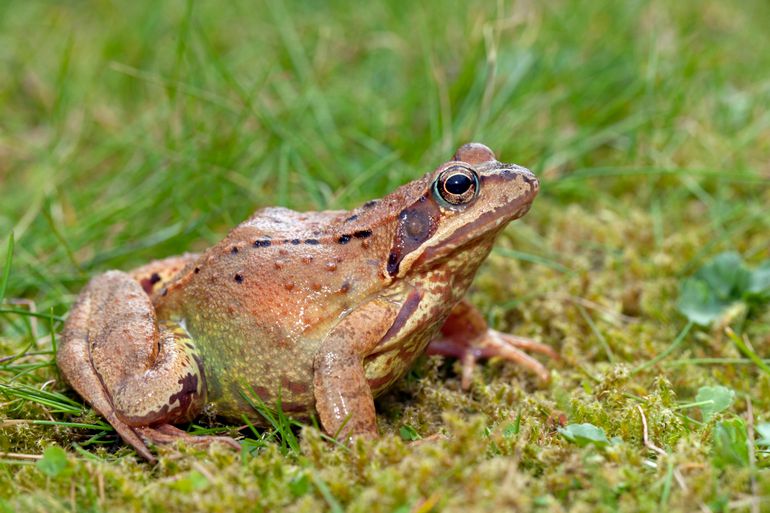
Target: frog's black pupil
{"x": 457, "y": 184}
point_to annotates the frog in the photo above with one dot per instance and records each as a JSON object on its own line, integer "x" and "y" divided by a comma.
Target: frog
{"x": 318, "y": 312}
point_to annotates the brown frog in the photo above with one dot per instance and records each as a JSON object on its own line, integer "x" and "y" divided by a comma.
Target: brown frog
{"x": 324, "y": 310}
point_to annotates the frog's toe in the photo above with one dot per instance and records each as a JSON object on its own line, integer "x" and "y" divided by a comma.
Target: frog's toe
{"x": 167, "y": 434}
{"x": 527, "y": 344}
{"x": 492, "y": 343}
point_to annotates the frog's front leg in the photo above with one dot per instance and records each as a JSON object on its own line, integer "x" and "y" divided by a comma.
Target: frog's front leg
{"x": 140, "y": 375}
{"x": 344, "y": 400}
{"x": 465, "y": 335}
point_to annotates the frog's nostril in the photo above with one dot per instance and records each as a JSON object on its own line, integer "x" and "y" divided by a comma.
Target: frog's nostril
{"x": 517, "y": 171}
{"x": 530, "y": 178}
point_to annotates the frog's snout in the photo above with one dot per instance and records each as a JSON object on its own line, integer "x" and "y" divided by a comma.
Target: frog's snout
{"x": 522, "y": 179}
{"x": 530, "y": 178}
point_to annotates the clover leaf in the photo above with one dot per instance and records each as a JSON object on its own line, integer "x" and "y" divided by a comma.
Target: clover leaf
{"x": 54, "y": 462}
{"x": 730, "y": 444}
{"x": 720, "y": 284}
{"x": 714, "y": 399}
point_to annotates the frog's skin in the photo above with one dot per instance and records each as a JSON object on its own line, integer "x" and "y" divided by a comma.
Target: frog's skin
{"x": 322, "y": 310}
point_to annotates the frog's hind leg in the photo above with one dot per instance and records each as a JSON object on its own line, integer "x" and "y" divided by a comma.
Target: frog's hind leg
{"x": 73, "y": 359}
{"x": 134, "y": 371}
{"x": 465, "y": 335}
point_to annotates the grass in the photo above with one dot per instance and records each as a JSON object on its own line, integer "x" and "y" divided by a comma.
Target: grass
{"x": 132, "y": 135}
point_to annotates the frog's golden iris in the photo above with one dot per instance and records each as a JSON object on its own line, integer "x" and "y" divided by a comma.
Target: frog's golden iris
{"x": 456, "y": 186}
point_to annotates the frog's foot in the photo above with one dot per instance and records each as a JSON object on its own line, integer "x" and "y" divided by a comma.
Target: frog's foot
{"x": 167, "y": 434}
{"x": 465, "y": 335}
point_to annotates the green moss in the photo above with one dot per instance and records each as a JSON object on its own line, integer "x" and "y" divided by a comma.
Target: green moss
{"x": 152, "y": 133}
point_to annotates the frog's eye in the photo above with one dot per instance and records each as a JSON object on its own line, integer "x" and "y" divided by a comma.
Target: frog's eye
{"x": 455, "y": 186}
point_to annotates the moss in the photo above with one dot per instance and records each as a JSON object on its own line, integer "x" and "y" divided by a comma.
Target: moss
{"x": 153, "y": 134}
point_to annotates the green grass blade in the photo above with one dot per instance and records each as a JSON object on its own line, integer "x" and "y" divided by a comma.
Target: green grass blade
{"x": 6, "y": 267}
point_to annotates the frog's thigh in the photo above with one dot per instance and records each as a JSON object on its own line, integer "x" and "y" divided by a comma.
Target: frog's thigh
{"x": 131, "y": 370}
{"x": 343, "y": 398}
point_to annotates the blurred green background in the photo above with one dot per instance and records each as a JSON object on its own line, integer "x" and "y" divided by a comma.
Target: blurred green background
{"x": 138, "y": 130}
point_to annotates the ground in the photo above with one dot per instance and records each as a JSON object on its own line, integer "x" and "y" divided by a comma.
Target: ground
{"x": 141, "y": 131}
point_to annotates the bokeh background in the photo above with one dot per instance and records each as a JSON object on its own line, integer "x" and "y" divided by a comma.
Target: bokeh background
{"x": 138, "y": 130}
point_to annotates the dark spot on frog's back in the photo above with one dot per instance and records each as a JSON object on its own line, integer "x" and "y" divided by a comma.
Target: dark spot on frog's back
{"x": 148, "y": 283}
{"x": 351, "y": 218}
{"x": 362, "y": 234}
{"x": 260, "y": 391}
{"x": 294, "y": 407}
{"x": 369, "y": 204}
{"x": 261, "y": 243}
{"x": 344, "y": 239}
{"x": 238, "y": 278}
{"x": 312, "y": 242}
{"x": 295, "y": 387}
{"x": 234, "y": 250}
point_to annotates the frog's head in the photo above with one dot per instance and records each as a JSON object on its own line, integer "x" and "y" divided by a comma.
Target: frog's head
{"x": 458, "y": 210}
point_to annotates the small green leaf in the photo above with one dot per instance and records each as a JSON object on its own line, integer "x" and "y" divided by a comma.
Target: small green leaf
{"x": 759, "y": 282}
{"x": 716, "y": 399}
{"x": 408, "y": 433}
{"x": 511, "y": 430}
{"x": 194, "y": 481}
{"x": 723, "y": 283}
{"x": 730, "y": 444}
{"x": 698, "y": 303}
{"x": 726, "y": 275}
{"x": 585, "y": 434}
{"x": 299, "y": 485}
{"x": 54, "y": 462}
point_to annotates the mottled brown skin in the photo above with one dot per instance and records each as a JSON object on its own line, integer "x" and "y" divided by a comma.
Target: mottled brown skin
{"x": 324, "y": 310}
